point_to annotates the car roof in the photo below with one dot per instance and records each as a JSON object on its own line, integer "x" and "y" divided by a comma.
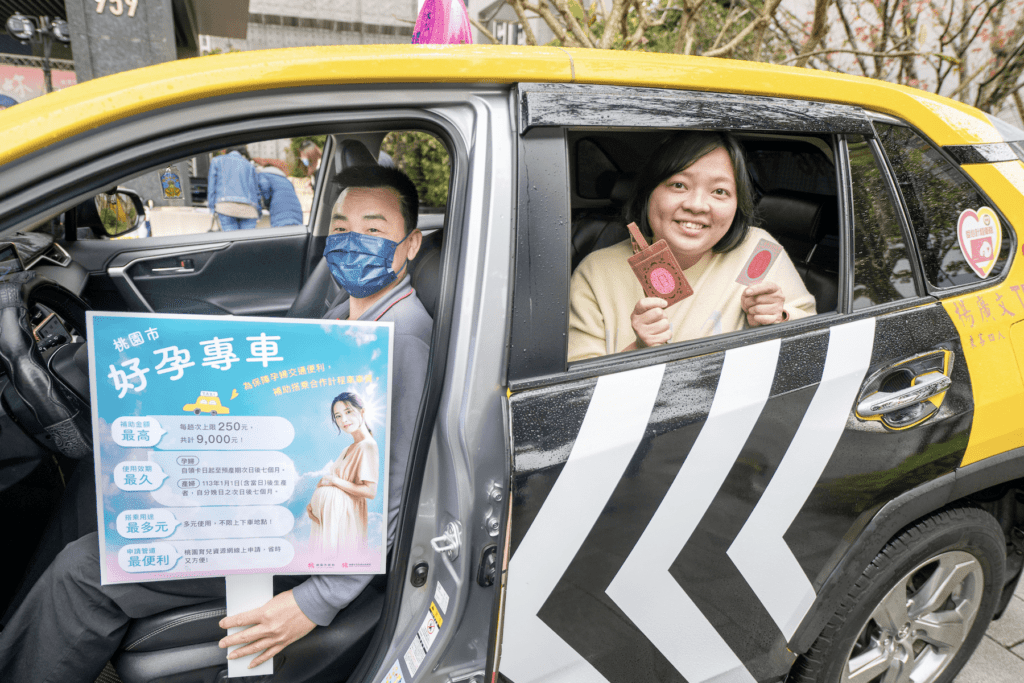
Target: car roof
{"x": 34, "y": 124}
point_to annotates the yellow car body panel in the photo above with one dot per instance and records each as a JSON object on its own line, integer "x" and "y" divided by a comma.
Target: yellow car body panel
{"x": 37, "y": 123}
{"x": 996, "y": 362}
{"x": 42, "y": 121}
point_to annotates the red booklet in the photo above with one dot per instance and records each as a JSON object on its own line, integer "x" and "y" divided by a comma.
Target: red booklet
{"x": 657, "y": 269}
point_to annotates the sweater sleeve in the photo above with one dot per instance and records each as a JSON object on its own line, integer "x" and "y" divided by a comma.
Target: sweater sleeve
{"x": 586, "y": 321}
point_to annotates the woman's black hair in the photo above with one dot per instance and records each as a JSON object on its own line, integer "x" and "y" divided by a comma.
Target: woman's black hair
{"x": 679, "y": 152}
{"x": 354, "y": 400}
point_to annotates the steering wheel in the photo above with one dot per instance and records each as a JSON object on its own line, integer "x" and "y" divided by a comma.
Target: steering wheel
{"x": 52, "y": 405}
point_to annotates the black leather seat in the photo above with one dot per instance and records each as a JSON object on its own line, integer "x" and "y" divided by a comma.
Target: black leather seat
{"x": 807, "y": 225}
{"x": 180, "y": 646}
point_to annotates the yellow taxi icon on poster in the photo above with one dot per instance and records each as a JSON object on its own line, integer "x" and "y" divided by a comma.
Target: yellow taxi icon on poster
{"x": 208, "y": 402}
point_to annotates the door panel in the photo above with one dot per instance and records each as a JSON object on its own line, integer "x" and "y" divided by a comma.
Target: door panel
{"x": 686, "y": 529}
{"x": 217, "y": 274}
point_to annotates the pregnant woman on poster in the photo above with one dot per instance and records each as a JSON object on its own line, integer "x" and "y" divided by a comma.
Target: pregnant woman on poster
{"x": 338, "y": 506}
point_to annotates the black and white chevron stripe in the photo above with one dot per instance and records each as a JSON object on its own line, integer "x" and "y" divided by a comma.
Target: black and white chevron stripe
{"x": 581, "y": 579}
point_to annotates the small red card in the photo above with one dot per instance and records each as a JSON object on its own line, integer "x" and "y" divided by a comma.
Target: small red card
{"x": 760, "y": 262}
{"x": 658, "y": 270}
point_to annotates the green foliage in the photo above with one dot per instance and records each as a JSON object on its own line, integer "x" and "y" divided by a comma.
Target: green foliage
{"x": 298, "y": 170}
{"x": 425, "y": 160}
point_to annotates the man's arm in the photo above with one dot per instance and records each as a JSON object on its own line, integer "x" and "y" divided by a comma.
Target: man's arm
{"x": 317, "y": 600}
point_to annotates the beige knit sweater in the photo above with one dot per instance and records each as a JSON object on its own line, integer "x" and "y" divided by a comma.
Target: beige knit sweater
{"x": 604, "y": 290}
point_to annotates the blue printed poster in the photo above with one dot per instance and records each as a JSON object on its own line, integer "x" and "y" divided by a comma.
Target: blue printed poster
{"x": 234, "y": 445}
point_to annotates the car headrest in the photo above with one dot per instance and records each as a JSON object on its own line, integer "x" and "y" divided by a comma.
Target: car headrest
{"x": 798, "y": 216}
{"x": 614, "y": 186}
{"x": 425, "y": 271}
{"x": 354, "y": 153}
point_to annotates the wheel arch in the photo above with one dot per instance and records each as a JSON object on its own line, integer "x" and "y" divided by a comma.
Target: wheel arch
{"x": 989, "y": 484}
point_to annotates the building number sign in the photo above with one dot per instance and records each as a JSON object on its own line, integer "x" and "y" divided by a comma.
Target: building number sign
{"x": 117, "y": 7}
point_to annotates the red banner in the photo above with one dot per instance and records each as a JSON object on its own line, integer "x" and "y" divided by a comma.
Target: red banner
{"x": 25, "y": 82}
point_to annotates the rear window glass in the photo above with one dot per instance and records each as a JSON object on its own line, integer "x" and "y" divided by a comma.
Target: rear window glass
{"x": 959, "y": 235}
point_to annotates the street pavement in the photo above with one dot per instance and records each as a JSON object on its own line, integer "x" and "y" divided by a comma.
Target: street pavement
{"x": 1000, "y": 655}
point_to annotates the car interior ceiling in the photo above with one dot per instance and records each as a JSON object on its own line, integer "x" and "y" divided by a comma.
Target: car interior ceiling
{"x": 795, "y": 197}
{"x": 175, "y": 645}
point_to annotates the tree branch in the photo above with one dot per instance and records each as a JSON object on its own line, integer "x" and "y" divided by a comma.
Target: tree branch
{"x": 487, "y": 34}
{"x": 818, "y": 30}
{"x": 728, "y": 48}
{"x": 517, "y": 7}
{"x": 867, "y": 53}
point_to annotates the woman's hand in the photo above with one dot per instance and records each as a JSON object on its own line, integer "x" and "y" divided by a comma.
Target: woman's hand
{"x": 649, "y": 322}
{"x": 763, "y": 304}
{"x": 309, "y": 511}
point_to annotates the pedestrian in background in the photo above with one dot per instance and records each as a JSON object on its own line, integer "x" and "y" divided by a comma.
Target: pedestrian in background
{"x": 232, "y": 191}
{"x": 279, "y": 195}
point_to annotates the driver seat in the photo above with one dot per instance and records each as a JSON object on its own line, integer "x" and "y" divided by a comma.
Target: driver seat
{"x": 180, "y": 646}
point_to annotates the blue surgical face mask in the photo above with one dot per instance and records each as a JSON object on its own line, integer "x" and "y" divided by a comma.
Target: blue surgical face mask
{"x": 361, "y": 264}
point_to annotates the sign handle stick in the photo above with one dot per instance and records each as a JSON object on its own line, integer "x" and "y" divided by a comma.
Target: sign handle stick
{"x": 245, "y": 592}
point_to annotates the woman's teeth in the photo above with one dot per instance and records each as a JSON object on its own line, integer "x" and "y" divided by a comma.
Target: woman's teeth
{"x": 690, "y": 225}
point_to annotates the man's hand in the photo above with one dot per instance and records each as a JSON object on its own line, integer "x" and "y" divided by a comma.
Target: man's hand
{"x": 272, "y": 628}
{"x": 763, "y": 304}
{"x": 649, "y": 322}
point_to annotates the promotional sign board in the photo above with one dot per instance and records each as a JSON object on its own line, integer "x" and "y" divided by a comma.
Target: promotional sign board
{"x": 229, "y": 445}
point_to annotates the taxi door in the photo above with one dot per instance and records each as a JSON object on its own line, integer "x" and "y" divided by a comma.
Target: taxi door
{"x": 676, "y": 512}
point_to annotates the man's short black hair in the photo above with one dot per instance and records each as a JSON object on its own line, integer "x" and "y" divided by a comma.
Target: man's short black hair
{"x": 382, "y": 176}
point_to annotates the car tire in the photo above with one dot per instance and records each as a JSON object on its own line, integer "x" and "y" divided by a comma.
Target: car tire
{"x": 197, "y": 411}
{"x": 920, "y": 608}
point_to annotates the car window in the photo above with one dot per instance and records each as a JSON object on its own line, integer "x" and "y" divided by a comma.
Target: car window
{"x": 881, "y": 267}
{"x": 257, "y": 185}
{"x": 791, "y": 242}
{"x": 960, "y": 237}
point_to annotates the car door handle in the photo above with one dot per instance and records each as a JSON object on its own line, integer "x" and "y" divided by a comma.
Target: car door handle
{"x": 172, "y": 269}
{"x": 928, "y": 385}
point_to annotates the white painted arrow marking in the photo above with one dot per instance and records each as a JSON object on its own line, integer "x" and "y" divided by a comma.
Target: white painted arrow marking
{"x": 612, "y": 429}
{"x": 759, "y": 550}
{"x": 643, "y": 588}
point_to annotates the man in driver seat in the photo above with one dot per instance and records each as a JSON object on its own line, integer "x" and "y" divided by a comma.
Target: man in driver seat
{"x": 69, "y": 625}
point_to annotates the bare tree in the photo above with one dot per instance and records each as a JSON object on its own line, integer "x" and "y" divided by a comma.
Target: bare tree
{"x": 970, "y": 50}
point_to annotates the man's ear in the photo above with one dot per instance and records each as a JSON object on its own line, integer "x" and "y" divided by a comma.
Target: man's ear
{"x": 415, "y": 242}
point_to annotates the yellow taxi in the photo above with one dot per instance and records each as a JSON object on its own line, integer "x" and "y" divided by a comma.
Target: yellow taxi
{"x": 835, "y": 497}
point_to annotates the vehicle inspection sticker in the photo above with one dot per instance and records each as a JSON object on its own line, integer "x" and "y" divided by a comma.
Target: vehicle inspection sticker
{"x": 394, "y": 675}
{"x": 980, "y": 237}
{"x": 441, "y": 597}
{"x": 760, "y": 262}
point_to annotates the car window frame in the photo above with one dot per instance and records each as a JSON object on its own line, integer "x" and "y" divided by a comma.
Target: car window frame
{"x": 956, "y": 290}
{"x": 538, "y": 341}
{"x": 902, "y": 216}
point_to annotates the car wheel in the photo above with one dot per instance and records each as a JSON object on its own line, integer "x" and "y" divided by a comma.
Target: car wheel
{"x": 919, "y": 609}
{"x": 197, "y": 411}
{"x": 213, "y": 412}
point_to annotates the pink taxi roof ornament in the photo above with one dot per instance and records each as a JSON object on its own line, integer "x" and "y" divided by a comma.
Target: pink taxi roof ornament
{"x": 442, "y": 22}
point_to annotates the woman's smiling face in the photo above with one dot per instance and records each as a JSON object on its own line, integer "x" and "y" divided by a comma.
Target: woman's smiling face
{"x": 693, "y": 209}
{"x": 347, "y": 417}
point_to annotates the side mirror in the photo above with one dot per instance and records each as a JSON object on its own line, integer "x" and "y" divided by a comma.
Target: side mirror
{"x": 120, "y": 212}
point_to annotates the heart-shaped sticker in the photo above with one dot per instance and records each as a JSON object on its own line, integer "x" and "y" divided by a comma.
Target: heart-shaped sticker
{"x": 980, "y": 237}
